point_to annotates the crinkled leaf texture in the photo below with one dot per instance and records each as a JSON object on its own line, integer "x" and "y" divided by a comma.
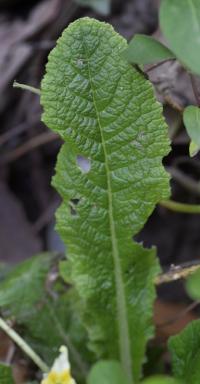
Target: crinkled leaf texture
{"x": 105, "y": 110}
{"x": 185, "y": 351}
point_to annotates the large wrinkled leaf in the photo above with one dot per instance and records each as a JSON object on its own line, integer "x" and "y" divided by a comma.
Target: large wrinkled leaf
{"x": 185, "y": 351}
{"x": 144, "y": 49}
{"x": 180, "y": 24}
{"x": 6, "y": 374}
{"x": 107, "y": 372}
{"x": 106, "y": 112}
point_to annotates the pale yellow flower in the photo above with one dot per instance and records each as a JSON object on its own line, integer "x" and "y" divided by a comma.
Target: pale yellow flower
{"x": 60, "y": 372}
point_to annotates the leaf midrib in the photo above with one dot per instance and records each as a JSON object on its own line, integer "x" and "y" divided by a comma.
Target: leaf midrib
{"x": 124, "y": 338}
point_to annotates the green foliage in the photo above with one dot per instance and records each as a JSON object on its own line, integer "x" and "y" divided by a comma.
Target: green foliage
{"x": 106, "y": 111}
{"x": 161, "y": 380}
{"x": 144, "y": 49}
{"x": 180, "y": 24}
{"x": 191, "y": 117}
{"x": 185, "y": 351}
{"x": 107, "y": 372}
{"x": 44, "y": 313}
{"x": 26, "y": 283}
{"x": 193, "y": 285}
{"x": 6, "y": 374}
{"x": 100, "y": 6}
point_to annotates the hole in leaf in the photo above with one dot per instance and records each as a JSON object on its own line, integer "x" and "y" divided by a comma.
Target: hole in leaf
{"x": 83, "y": 163}
{"x": 72, "y": 204}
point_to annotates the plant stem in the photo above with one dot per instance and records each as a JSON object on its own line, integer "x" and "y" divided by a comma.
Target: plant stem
{"x": 26, "y": 88}
{"x": 180, "y": 207}
{"x": 23, "y": 345}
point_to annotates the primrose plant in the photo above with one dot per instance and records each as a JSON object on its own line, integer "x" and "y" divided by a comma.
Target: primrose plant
{"x": 105, "y": 111}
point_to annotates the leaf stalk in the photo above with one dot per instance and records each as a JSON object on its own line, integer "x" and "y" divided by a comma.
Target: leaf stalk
{"x": 27, "y": 87}
{"x": 23, "y": 345}
{"x": 180, "y": 207}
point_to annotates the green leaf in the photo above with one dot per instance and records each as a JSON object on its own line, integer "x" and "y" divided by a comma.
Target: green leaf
{"x": 25, "y": 284}
{"x": 191, "y": 118}
{"x": 6, "y": 374}
{"x": 180, "y": 24}
{"x": 193, "y": 149}
{"x": 107, "y": 372}
{"x": 193, "y": 285}
{"x": 107, "y": 113}
{"x": 144, "y": 49}
{"x": 185, "y": 351}
{"x": 100, "y": 6}
{"x": 161, "y": 380}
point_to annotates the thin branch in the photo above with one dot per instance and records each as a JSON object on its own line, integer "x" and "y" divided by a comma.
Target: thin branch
{"x": 172, "y": 103}
{"x": 8, "y": 135}
{"x": 27, "y": 87}
{"x": 179, "y": 315}
{"x": 157, "y": 65}
{"x": 45, "y": 217}
{"x": 180, "y": 207}
{"x": 177, "y": 272}
{"x": 33, "y": 143}
{"x": 185, "y": 181}
{"x": 23, "y": 345}
{"x": 195, "y": 89}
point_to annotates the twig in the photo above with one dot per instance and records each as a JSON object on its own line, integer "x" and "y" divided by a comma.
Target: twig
{"x": 184, "y": 180}
{"x": 179, "y": 315}
{"x": 45, "y": 217}
{"x": 195, "y": 89}
{"x": 33, "y": 143}
{"x": 23, "y": 345}
{"x": 10, "y": 354}
{"x": 177, "y": 272}
{"x": 154, "y": 66}
{"x": 17, "y": 130}
{"x": 180, "y": 207}
{"x": 173, "y": 104}
{"x": 27, "y": 88}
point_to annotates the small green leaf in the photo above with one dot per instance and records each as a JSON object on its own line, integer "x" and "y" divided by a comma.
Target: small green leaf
{"x": 185, "y": 351}
{"x": 100, "y": 6}
{"x": 193, "y": 149}
{"x": 107, "y": 372}
{"x": 191, "y": 118}
{"x": 160, "y": 380}
{"x": 6, "y": 374}
{"x": 193, "y": 285}
{"x": 180, "y": 24}
{"x": 144, "y": 49}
